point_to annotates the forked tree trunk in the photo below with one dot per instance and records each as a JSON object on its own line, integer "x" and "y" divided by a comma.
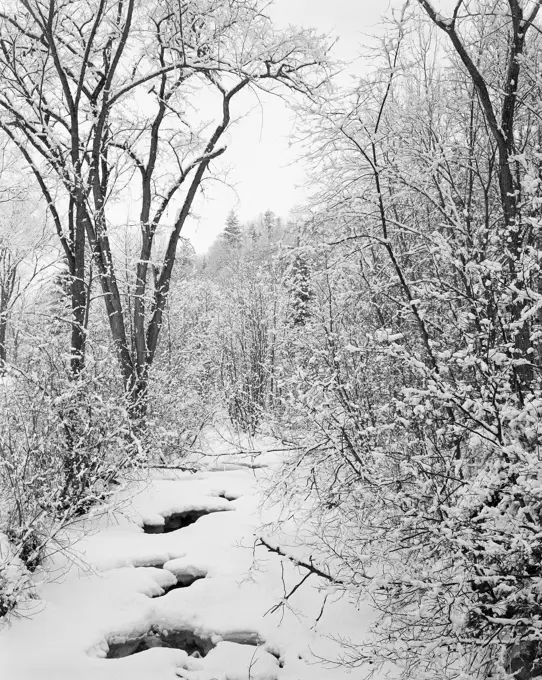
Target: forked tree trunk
{"x": 502, "y": 127}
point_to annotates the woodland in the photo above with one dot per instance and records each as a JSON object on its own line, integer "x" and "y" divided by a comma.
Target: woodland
{"x": 387, "y": 333}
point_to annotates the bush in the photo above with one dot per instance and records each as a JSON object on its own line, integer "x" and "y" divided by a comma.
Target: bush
{"x": 63, "y": 444}
{"x": 15, "y": 583}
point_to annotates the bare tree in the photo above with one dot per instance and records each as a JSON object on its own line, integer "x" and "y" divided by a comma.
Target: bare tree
{"x": 500, "y": 112}
{"x": 22, "y": 242}
{"x": 425, "y": 377}
{"x": 94, "y": 90}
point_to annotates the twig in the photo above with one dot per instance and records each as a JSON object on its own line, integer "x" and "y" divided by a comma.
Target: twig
{"x": 287, "y": 597}
{"x": 321, "y": 610}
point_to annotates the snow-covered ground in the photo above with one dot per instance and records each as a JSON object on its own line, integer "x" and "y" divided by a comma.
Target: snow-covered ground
{"x": 202, "y": 602}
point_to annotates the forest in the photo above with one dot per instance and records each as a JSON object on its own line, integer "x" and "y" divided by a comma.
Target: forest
{"x": 367, "y": 367}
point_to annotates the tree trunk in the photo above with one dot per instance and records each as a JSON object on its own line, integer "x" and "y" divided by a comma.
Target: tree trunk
{"x": 78, "y": 293}
{"x": 502, "y": 127}
{"x": 3, "y": 348}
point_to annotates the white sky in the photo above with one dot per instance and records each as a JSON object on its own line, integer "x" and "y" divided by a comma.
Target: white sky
{"x": 265, "y": 173}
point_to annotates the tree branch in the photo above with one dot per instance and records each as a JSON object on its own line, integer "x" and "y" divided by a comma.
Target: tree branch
{"x": 310, "y": 566}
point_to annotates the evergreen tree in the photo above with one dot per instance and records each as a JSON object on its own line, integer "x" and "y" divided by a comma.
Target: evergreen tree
{"x": 254, "y": 235}
{"x": 269, "y": 223}
{"x": 300, "y": 291}
{"x": 59, "y": 305}
{"x": 233, "y": 233}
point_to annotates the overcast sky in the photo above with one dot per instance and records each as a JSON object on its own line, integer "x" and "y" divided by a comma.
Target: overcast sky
{"x": 264, "y": 173}
{"x": 265, "y": 170}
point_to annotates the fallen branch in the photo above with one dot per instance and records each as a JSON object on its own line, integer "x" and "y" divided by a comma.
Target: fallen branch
{"x": 310, "y": 566}
{"x": 242, "y": 464}
{"x": 182, "y": 468}
{"x": 245, "y": 452}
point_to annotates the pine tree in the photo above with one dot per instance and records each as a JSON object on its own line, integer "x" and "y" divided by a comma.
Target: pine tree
{"x": 269, "y": 223}
{"x": 300, "y": 291}
{"x": 233, "y": 233}
{"x": 254, "y": 234}
{"x": 59, "y": 305}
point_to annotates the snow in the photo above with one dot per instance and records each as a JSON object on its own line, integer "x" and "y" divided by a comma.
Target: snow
{"x": 237, "y": 658}
{"x": 121, "y": 585}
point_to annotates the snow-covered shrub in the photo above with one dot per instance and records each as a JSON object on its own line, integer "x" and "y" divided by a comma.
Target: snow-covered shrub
{"x": 63, "y": 442}
{"x": 247, "y": 328}
{"x": 183, "y": 386}
{"x": 426, "y": 488}
{"x": 15, "y": 584}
